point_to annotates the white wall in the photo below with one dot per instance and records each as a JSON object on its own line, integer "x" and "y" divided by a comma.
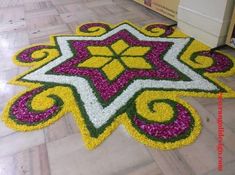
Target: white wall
{"x": 206, "y": 20}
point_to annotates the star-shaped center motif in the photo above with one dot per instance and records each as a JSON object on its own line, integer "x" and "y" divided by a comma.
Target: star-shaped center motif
{"x": 113, "y": 63}
{"x": 114, "y": 59}
{"x": 108, "y": 70}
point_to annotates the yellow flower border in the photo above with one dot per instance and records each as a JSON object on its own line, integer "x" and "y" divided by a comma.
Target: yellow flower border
{"x": 70, "y": 106}
{"x": 91, "y": 142}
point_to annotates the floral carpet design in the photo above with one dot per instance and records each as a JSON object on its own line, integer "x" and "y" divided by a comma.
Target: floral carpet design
{"x": 111, "y": 75}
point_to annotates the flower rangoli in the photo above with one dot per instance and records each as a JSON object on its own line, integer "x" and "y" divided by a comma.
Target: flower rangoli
{"x": 108, "y": 76}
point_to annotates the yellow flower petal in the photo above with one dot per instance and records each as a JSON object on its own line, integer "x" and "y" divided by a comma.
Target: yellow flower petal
{"x": 95, "y": 62}
{"x": 203, "y": 62}
{"x": 100, "y": 51}
{"x": 136, "y": 62}
{"x": 161, "y": 111}
{"x": 113, "y": 69}
{"x": 119, "y": 46}
{"x": 136, "y": 51}
{"x": 45, "y": 54}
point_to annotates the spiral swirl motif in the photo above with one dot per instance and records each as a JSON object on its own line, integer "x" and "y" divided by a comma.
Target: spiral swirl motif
{"x": 178, "y": 126}
{"x": 167, "y": 30}
{"x": 93, "y": 29}
{"x": 36, "y": 54}
{"x": 220, "y": 62}
{"x": 22, "y": 111}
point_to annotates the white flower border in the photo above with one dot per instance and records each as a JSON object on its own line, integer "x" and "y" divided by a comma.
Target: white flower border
{"x": 98, "y": 114}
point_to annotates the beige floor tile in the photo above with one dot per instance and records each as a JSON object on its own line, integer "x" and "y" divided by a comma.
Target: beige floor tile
{"x": 209, "y": 121}
{"x": 207, "y": 143}
{"x": 33, "y": 161}
{"x": 61, "y": 128}
{"x": 36, "y": 23}
{"x": 98, "y": 4}
{"x": 228, "y": 169}
{"x": 31, "y": 1}
{"x": 202, "y": 155}
{"x": 171, "y": 162}
{"x": 10, "y": 42}
{"x": 69, "y": 120}
{"x": 196, "y": 159}
{"x": 20, "y": 141}
{"x": 72, "y": 7}
{"x": 24, "y": 22}
{"x": 41, "y": 13}
{"x": 6, "y": 90}
{"x": 12, "y": 3}
{"x": 4, "y": 130}
{"x": 207, "y": 101}
{"x": 61, "y": 2}
{"x": 7, "y": 165}
{"x": 73, "y": 16}
{"x": 40, "y": 5}
{"x": 149, "y": 169}
{"x": 228, "y": 112}
{"x": 229, "y": 81}
{"x": 11, "y": 21}
{"x": 42, "y": 35}
{"x": 117, "y": 154}
{"x": 6, "y": 58}
{"x": 229, "y": 51}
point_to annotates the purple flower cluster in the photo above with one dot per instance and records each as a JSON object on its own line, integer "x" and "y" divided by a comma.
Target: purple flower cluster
{"x": 168, "y": 30}
{"x": 175, "y": 128}
{"x": 21, "y": 111}
{"x": 221, "y": 62}
{"x": 85, "y": 28}
{"x": 25, "y": 56}
{"x": 107, "y": 89}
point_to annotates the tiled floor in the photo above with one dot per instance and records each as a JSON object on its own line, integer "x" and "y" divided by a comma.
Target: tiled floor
{"x": 58, "y": 149}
